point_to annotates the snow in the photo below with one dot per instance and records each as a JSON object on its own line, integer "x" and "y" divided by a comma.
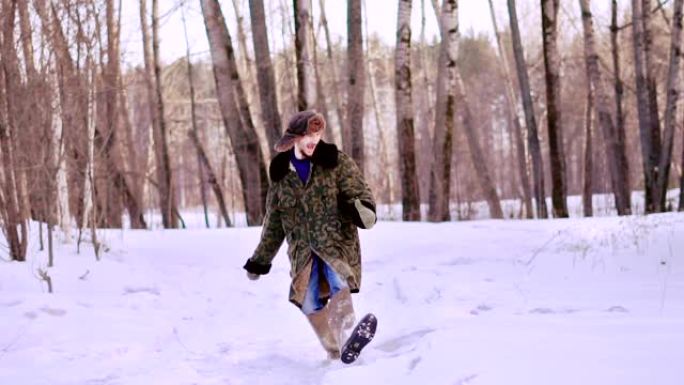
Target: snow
{"x": 573, "y": 301}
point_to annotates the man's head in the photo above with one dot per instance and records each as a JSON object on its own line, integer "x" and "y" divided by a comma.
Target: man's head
{"x": 304, "y": 131}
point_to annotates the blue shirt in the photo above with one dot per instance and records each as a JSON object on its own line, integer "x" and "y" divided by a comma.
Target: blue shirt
{"x": 303, "y": 167}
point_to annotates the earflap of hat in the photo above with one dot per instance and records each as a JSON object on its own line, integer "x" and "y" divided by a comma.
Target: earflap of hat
{"x": 285, "y": 143}
{"x": 315, "y": 123}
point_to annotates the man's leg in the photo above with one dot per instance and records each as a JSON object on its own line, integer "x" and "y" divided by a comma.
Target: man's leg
{"x": 341, "y": 307}
{"x": 318, "y": 314}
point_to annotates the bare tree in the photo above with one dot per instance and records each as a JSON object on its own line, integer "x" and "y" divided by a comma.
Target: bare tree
{"x": 512, "y": 103}
{"x": 306, "y": 78}
{"x": 619, "y": 175}
{"x": 404, "y": 104}
{"x": 265, "y": 76}
{"x": 166, "y": 187}
{"x": 332, "y": 65}
{"x": 670, "y": 108}
{"x": 652, "y": 87}
{"x": 356, "y": 84}
{"x": 681, "y": 181}
{"x": 588, "y": 180}
{"x": 528, "y": 107}
{"x": 236, "y": 117}
{"x": 152, "y": 77}
{"x": 440, "y": 176}
{"x": 450, "y": 96}
{"x": 549, "y": 10}
{"x": 618, "y": 84}
{"x": 14, "y": 226}
{"x": 647, "y": 126}
{"x": 111, "y": 147}
{"x": 204, "y": 163}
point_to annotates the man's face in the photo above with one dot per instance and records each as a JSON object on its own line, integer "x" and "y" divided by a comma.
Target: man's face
{"x": 307, "y": 143}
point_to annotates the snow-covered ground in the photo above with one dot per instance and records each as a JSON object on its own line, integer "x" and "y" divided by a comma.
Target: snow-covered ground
{"x": 576, "y": 301}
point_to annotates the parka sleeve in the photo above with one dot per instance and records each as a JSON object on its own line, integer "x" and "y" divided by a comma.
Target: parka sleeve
{"x": 272, "y": 237}
{"x": 356, "y": 199}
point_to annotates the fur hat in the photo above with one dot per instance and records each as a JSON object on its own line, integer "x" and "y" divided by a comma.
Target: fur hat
{"x": 302, "y": 123}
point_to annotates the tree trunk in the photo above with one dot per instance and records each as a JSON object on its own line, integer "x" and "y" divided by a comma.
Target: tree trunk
{"x": 201, "y": 154}
{"x": 212, "y": 179}
{"x": 670, "y": 108}
{"x": 404, "y": 103}
{"x": 681, "y": 181}
{"x": 135, "y": 182}
{"x": 619, "y": 175}
{"x": 619, "y": 88}
{"x": 167, "y": 192}
{"x": 440, "y": 176}
{"x": 387, "y": 178}
{"x": 646, "y": 124}
{"x": 265, "y": 76}
{"x": 111, "y": 149}
{"x": 530, "y": 120}
{"x": 549, "y": 10}
{"x": 477, "y": 155}
{"x": 588, "y": 180}
{"x": 89, "y": 193}
{"x": 306, "y": 78}
{"x": 236, "y": 118}
{"x": 454, "y": 91}
{"x": 332, "y": 65}
{"x": 512, "y": 103}
{"x": 356, "y": 83}
{"x": 321, "y": 103}
{"x": 651, "y": 86}
{"x": 14, "y": 225}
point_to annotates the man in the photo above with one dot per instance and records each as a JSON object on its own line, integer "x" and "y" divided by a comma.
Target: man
{"x": 316, "y": 200}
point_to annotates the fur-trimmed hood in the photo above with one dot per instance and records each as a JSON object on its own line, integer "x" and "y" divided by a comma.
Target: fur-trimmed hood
{"x": 325, "y": 155}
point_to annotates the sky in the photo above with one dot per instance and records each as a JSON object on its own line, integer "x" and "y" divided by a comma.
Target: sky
{"x": 474, "y": 17}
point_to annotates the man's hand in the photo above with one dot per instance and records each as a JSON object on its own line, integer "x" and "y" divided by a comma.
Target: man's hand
{"x": 367, "y": 215}
{"x": 252, "y": 276}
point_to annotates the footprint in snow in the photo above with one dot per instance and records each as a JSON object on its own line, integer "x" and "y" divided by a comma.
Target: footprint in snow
{"x": 401, "y": 343}
{"x": 481, "y": 309}
{"x": 546, "y": 310}
{"x": 53, "y": 312}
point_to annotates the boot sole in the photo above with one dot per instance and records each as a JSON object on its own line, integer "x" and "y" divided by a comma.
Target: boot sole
{"x": 362, "y": 334}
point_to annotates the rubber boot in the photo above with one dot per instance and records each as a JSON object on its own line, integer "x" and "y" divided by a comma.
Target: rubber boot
{"x": 320, "y": 323}
{"x": 342, "y": 317}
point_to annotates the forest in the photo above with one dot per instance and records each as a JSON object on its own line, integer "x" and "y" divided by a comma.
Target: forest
{"x": 458, "y": 126}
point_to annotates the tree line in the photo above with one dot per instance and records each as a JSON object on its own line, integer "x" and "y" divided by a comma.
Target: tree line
{"x": 437, "y": 124}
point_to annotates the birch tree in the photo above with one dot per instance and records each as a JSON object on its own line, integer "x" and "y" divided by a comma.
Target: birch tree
{"x": 405, "y": 114}
{"x": 452, "y": 95}
{"x": 440, "y": 176}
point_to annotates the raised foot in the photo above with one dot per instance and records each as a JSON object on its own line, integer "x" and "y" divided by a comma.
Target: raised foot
{"x": 362, "y": 334}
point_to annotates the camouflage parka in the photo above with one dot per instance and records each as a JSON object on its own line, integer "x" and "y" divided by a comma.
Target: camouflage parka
{"x": 317, "y": 216}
